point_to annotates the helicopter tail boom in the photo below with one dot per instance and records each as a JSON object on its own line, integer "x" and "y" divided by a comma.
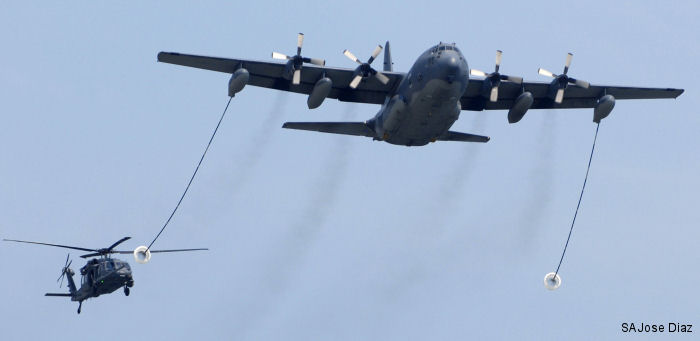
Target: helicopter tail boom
{"x": 71, "y": 283}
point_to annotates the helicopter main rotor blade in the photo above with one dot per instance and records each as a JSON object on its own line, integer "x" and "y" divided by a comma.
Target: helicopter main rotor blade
{"x": 153, "y": 251}
{"x": 117, "y": 243}
{"x": 56, "y": 245}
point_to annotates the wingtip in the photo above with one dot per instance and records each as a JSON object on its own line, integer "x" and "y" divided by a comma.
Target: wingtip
{"x": 163, "y": 54}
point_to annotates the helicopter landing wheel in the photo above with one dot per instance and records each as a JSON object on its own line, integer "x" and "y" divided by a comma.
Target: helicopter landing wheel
{"x": 126, "y": 291}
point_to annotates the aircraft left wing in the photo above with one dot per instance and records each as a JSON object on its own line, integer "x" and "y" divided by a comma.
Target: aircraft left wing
{"x": 270, "y": 75}
{"x": 574, "y": 96}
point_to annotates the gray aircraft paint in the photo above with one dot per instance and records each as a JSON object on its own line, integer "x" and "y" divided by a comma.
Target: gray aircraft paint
{"x": 427, "y": 100}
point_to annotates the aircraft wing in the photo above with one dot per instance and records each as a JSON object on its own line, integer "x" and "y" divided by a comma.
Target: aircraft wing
{"x": 574, "y": 96}
{"x": 270, "y": 75}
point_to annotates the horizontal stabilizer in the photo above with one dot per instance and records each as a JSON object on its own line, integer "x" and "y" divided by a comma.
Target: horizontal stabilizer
{"x": 345, "y": 128}
{"x": 463, "y": 137}
{"x": 58, "y": 295}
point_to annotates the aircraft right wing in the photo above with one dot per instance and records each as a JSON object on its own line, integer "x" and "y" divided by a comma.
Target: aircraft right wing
{"x": 270, "y": 75}
{"x": 574, "y": 96}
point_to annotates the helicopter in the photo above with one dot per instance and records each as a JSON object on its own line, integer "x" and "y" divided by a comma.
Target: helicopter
{"x": 102, "y": 275}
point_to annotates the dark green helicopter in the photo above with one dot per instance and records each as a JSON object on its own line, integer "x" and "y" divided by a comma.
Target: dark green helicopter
{"x": 101, "y": 275}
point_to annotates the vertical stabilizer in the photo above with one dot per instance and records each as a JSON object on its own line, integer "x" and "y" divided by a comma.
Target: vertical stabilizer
{"x": 388, "y": 64}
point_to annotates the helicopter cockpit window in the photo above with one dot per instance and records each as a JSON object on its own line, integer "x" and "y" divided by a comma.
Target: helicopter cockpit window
{"x": 109, "y": 265}
{"x": 441, "y": 48}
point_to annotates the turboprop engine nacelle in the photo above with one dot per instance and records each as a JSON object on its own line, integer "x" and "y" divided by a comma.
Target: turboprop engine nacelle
{"x": 238, "y": 80}
{"x": 319, "y": 92}
{"x": 520, "y": 106}
{"x": 603, "y": 108}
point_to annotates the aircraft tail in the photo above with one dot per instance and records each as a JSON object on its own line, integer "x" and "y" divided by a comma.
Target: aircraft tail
{"x": 388, "y": 64}
{"x": 71, "y": 283}
{"x": 345, "y": 128}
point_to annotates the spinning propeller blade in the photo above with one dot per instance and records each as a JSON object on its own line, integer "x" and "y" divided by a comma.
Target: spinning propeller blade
{"x": 316, "y": 61}
{"x": 560, "y": 96}
{"x": 376, "y": 52}
{"x": 494, "y": 94}
{"x": 56, "y": 245}
{"x": 495, "y": 78}
{"x": 277, "y": 55}
{"x": 364, "y": 70}
{"x": 300, "y": 41}
{"x": 382, "y": 77}
{"x": 569, "y": 56}
{"x": 582, "y": 84}
{"x": 117, "y": 243}
{"x": 499, "y": 54}
{"x": 297, "y": 77}
{"x": 514, "y": 79}
{"x": 475, "y": 72}
{"x": 562, "y": 81}
{"x": 298, "y": 60}
{"x": 544, "y": 72}
{"x": 63, "y": 272}
{"x": 352, "y": 57}
{"x": 355, "y": 81}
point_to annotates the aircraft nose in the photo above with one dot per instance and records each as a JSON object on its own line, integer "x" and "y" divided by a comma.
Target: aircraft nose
{"x": 453, "y": 67}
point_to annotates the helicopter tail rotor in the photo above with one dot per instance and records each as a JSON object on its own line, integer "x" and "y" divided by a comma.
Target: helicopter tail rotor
{"x": 66, "y": 266}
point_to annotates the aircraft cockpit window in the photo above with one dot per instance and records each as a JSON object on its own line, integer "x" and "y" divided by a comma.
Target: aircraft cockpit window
{"x": 109, "y": 265}
{"x": 441, "y": 48}
{"x": 456, "y": 49}
{"x": 449, "y": 48}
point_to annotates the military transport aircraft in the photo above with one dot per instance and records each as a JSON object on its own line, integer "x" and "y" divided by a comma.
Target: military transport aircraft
{"x": 101, "y": 275}
{"x": 420, "y": 106}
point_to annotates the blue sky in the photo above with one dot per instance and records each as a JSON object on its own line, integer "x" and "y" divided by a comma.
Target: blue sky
{"x": 315, "y": 236}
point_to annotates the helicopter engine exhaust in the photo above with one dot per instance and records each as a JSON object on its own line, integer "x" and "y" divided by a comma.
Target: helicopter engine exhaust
{"x": 142, "y": 254}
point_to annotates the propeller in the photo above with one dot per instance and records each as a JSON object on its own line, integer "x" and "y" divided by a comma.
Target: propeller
{"x": 562, "y": 81}
{"x": 365, "y": 70}
{"x": 298, "y": 60}
{"x": 142, "y": 252}
{"x": 63, "y": 272}
{"x": 106, "y": 251}
{"x": 495, "y": 78}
